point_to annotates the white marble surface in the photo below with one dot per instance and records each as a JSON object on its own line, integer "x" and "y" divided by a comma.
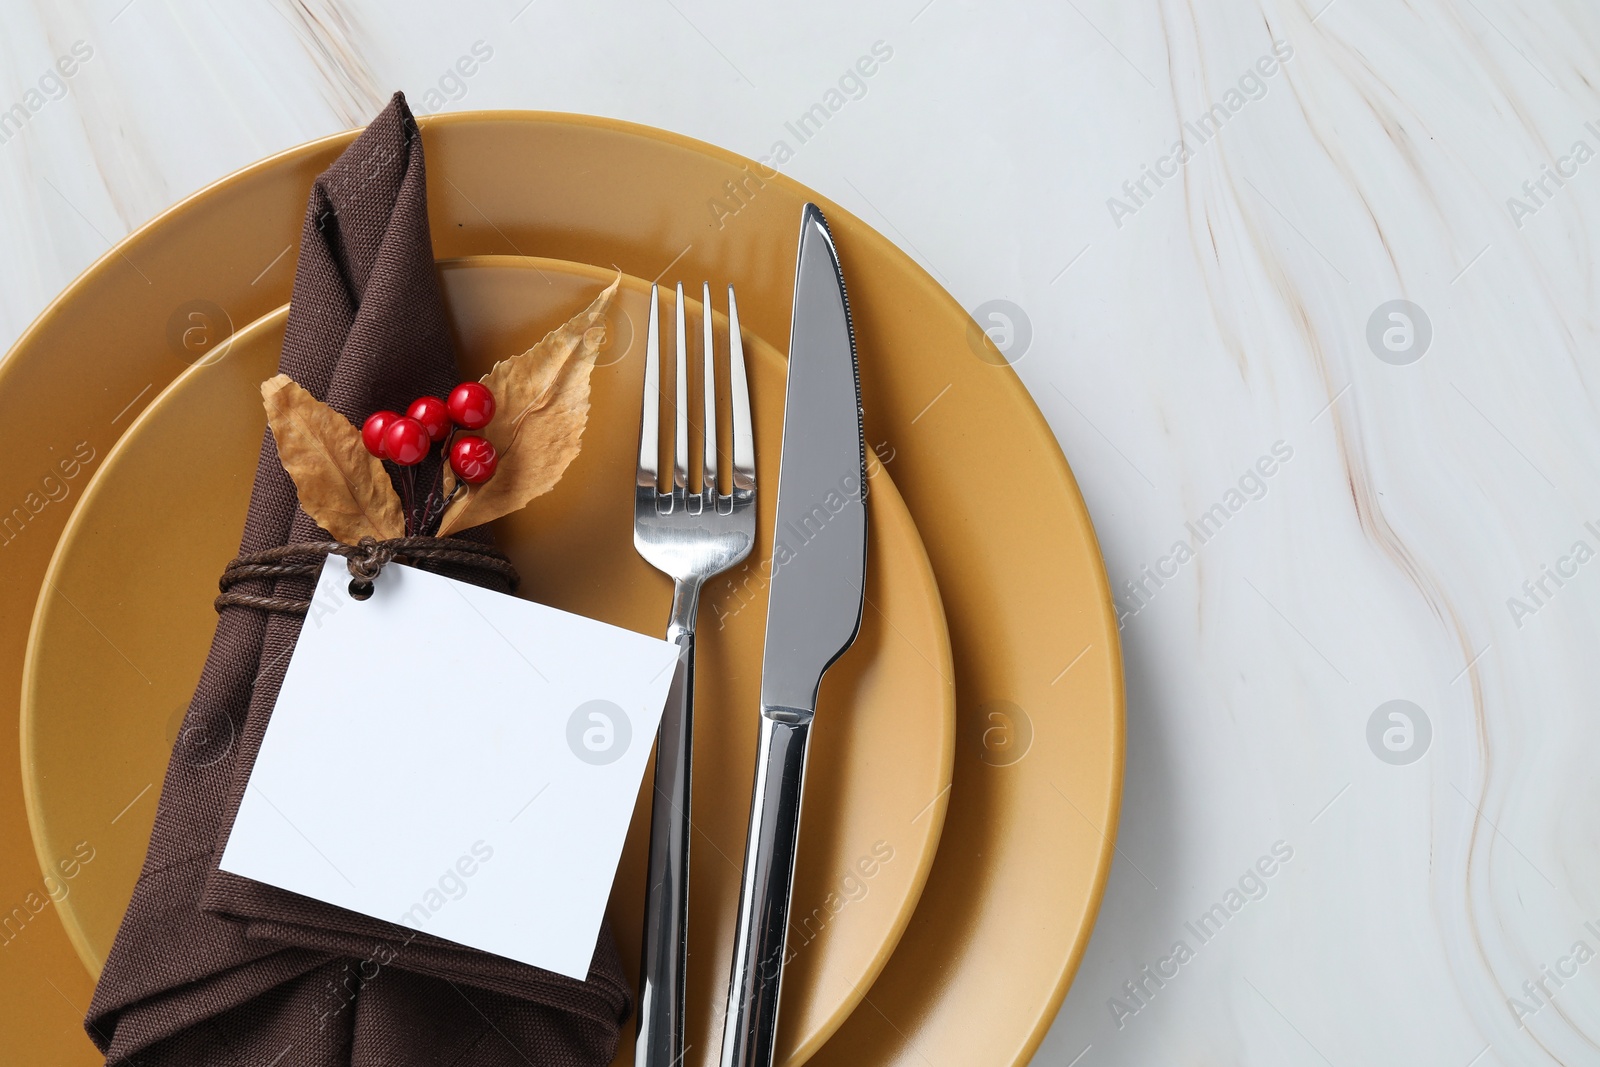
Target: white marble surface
{"x": 1174, "y": 342}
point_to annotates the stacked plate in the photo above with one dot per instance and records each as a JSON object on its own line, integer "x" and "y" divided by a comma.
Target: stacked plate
{"x": 967, "y": 760}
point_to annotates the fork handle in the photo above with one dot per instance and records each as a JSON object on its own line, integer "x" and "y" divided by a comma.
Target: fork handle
{"x": 750, "y": 1028}
{"x": 665, "y": 952}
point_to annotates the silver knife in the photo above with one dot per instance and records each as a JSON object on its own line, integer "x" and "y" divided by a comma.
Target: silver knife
{"x": 819, "y": 560}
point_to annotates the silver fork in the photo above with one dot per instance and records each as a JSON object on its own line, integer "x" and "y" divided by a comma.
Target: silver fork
{"x": 689, "y": 536}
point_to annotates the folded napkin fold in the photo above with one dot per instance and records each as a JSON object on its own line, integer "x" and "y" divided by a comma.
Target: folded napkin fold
{"x": 211, "y": 968}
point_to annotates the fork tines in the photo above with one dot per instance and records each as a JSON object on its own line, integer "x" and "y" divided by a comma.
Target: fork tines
{"x": 681, "y": 458}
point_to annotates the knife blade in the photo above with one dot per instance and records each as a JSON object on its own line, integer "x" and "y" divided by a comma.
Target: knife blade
{"x": 814, "y": 608}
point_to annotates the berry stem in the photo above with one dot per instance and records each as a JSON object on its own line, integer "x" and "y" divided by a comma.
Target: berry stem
{"x": 408, "y": 494}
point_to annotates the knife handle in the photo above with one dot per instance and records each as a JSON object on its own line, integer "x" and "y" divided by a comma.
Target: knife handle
{"x": 750, "y": 1027}
{"x": 665, "y": 952}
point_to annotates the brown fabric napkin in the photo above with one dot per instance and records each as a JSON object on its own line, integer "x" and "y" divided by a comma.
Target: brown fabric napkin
{"x": 210, "y": 968}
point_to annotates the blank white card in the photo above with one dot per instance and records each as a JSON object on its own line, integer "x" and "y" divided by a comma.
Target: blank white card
{"x": 459, "y": 761}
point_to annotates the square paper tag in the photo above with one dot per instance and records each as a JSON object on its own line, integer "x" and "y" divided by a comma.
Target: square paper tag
{"x": 456, "y": 760}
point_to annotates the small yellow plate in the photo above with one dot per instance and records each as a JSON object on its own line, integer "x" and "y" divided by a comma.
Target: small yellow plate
{"x": 125, "y": 619}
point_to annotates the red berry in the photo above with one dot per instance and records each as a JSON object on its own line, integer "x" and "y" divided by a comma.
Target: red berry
{"x": 434, "y": 416}
{"x": 406, "y": 441}
{"x": 471, "y": 405}
{"x": 372, "y": 431}
{"x": 473, "y": 459}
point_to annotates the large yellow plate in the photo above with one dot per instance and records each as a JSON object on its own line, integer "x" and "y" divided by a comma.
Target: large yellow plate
{"x": 1027, "y": 842}
{"x": 124, "y": 622}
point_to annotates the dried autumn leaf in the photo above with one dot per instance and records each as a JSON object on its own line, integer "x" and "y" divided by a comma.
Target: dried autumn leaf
{"x": 541, "y": 408}
{"x": 341, "y": 485}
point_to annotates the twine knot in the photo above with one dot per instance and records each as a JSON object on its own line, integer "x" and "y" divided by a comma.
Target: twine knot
{"x": 365, "y": 562}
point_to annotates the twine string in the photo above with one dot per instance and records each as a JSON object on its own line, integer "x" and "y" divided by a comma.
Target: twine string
{"x": 365, "y": 561}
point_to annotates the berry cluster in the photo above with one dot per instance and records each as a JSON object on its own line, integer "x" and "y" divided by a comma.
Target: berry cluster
{"x": 406, "y": 440}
